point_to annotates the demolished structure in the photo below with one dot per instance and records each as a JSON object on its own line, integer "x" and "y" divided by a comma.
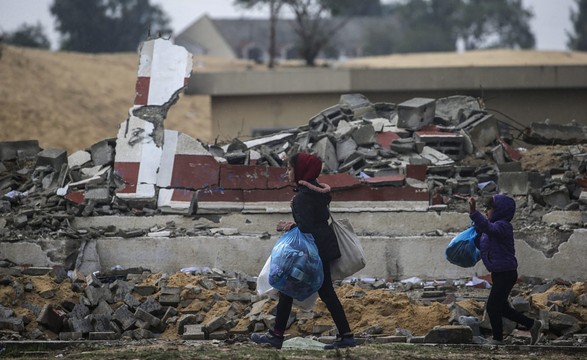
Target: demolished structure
{"x": 422, "y": 155}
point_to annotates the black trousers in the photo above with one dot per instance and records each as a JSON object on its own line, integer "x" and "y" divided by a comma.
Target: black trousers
{"x": 498, "y": 305}
{"x": 327, "y": 295}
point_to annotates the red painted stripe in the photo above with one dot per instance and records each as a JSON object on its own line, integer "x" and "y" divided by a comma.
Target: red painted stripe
{"x": 129, "y": 173}
{"x": 142, "y": 90}
{"x": 195, "y": 172}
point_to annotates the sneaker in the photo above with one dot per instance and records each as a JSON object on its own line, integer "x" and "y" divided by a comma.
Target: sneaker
{"x": 493, "y": 342}
{"x": 268, "y": 339}
{"x": 536, "y": 331}
{"x": 341, "y": 343}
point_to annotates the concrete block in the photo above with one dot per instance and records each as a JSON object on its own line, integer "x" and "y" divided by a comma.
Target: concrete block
{"x": 11, "y": 150}
{"x": 97, "y": 294}
{"x": 103, "y": 152}
{"x": 169, "y": 299}
{"x": 450, "y": 334}
{"x": 343, "y": 129}
{"x": 451, "y": 144}
{"x": 436, "y": 157}
{"x": 193, "y": 332}
{"x": 83, "y": 326}
{"x": 327, "y": 152}
{"x": 151, "y": 305}
{"x": 344, "y": 148}
{"x": 141, "y": 314}
{"x": 51, "y": 318}
{"x": 416, "y": 113}
{"x": 555, "y": 134}
{"x": 78, "y": 158}
{"x": 357, "y": 104}
{"x": 214, "y": 324}
{"x": 557, "y": 197}
{"x": 124, "y": 317}
{"x": 100, "y": 195}
{"x": 483, "y": 131}
{"x": 364, "y": 135}
{"x": 52, "y": 157}
{"x": 455, "y": 109}
{"x": 513, "y": 183}
{"x": 563, "y": 218}
{"x": 102, "y": 323}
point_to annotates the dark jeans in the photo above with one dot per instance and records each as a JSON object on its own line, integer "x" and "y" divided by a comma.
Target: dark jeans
{"x": 498, "y": 305}
{"x": 327, "y": 295}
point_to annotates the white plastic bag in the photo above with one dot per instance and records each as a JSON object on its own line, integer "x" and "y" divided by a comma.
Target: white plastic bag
{"x": 263, "y": 287}
{"x": 352, "y": 257}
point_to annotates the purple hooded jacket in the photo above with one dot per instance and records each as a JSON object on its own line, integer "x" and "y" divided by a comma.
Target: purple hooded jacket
{"x": 496, "y": 243}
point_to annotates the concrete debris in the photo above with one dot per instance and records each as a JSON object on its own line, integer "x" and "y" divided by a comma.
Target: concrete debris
{"x": 551, "y": 134}
{"x": 218, "y": 304}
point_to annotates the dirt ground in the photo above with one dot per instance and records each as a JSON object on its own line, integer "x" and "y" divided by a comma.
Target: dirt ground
{"x": 72, "y": 100}
{"x": 245, "y": 350}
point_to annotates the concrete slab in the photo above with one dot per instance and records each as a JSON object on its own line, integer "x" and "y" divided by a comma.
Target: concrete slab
{"x": 395, "y": 257}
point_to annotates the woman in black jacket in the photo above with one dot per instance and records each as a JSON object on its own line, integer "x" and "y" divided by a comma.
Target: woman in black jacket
{"x": 310, "y": 212}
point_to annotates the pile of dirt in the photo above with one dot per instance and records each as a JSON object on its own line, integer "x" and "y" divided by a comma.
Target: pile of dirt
{"x": 371, "y": 311}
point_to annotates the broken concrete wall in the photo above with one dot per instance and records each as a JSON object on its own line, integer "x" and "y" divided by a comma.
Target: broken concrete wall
{"x": 163, "y": 72}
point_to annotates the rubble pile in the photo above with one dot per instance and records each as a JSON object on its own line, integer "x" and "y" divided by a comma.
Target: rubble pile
{"x": 459, "y": 146}
{"x": 202, "y": 303}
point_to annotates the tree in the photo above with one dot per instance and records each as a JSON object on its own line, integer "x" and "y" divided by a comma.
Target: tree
{"x": 354, "y": 7}
{"x": 578, "y": 39}
{"x": 496, "y": 24}
{"x": 29, "y": 36}
{"x": 427, "y": 25}
{"x": 274, "y": 9}
{"x": 107, "y": 25}
{"x": 313, "y": 31}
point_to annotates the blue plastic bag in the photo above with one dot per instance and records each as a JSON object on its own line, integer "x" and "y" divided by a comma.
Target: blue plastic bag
{"x": 296, "y": 267}
{"x": 462, "y": 251}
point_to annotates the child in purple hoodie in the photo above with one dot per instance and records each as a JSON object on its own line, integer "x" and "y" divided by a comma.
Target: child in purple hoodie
{"x": 496, "y": 245}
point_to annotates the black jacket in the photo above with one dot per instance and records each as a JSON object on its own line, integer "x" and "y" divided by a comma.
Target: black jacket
{"x": 310, "y": 212}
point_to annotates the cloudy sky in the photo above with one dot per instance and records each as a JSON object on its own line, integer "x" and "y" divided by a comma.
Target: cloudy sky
{"x": 550, "y": 24}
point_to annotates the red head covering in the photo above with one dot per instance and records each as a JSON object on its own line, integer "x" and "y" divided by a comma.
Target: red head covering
{"x": 307, "y": 167}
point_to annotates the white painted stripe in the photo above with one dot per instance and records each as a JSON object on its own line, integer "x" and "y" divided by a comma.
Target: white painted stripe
{"x": 170, "y": 139}
{"x": 165, "y": 77}
{"x": 165, "y": 197}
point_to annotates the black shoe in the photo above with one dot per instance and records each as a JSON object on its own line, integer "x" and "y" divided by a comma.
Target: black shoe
{"x": 341, "y": 343}
{"x": 536, "y": 331}
{"x": 268, "y": 339}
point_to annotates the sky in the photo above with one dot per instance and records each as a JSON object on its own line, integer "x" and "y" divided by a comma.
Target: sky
{"x": 550, "y": 24}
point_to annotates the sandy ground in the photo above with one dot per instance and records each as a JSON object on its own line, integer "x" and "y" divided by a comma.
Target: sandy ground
{"x": 71, "y": 100}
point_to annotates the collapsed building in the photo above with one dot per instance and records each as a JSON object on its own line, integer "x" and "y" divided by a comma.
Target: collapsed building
{"x": 423, "y": 155}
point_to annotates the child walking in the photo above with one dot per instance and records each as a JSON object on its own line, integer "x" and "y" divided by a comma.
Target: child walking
{"x": 496, "y": 245}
